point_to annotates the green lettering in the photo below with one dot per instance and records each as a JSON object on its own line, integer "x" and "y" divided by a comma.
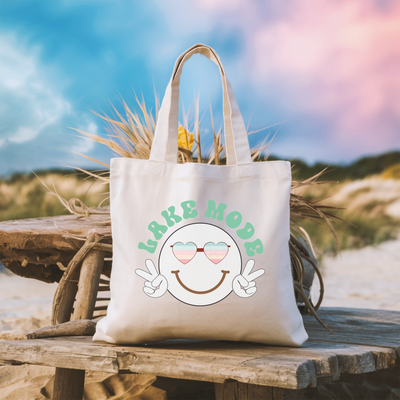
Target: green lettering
{"x": 157, "y": 229}
{"x": 247, "y": 232}
{"x": 151, "y": 248}
{"x": 253, "y": 246}
{"x": 189, "y": 210}
{"x": 234, "y": 219}
{"x": 215, "y": 213}
{"x": 171, "y": 216}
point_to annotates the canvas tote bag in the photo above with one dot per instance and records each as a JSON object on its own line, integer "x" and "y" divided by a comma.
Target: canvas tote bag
{"x": 200, "y": 251}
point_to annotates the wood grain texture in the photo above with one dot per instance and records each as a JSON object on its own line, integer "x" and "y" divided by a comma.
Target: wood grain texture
{"x": 64, "y": 296}
{"x": 357, "y": 326}
{"x": 88, "y": 285}
{"x": 316, "y": 362}
{"x": 53, "y": 228}
{"x": 242, "y": 391}
{"x": 33, "y": 247}
{"x": 83, "y": 327}
{"x": 290, "y": 368}
{"x": 69, "y": 385}
{"x": 65, "y": 353}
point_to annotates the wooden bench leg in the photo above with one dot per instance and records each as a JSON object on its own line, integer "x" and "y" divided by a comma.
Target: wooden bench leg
{"x": 88, "y": 285}
{"x": 242, "y": 391}
{"x": 68, "y": 384}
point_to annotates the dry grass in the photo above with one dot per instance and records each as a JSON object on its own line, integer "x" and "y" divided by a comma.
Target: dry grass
{"x": 372, "y": 212}
{"x": 131, "y": 136}
{"x": 26, "y": 196}
{"x": 392, "y": 172}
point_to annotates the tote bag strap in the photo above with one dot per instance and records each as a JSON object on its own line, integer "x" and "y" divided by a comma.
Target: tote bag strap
{"x": 165, "y": 143}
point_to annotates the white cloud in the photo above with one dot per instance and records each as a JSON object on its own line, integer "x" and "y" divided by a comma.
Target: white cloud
{"x": 84, "y": 145}
{"x": 30, "y": 102}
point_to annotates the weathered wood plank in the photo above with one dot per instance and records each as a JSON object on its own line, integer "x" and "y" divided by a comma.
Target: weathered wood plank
{"x": 357, "y": 326}
{"x": 329, "y": 359}
{"x": 83, "y": 327}
{"x": 65, "y": 353}
{"x": 333, "y": 359}
{"x": 79, "y": 353}
{"x": 103, "y": 289}
{"x": 193, "y": 365}
{"x": 217, "y": 362}
{"x": 101, "y": 308}
{"x": 33, "y": 247}
{"x": 52, "y": 229}
{"x": 48, "y": 273}
{"x": 289, "y": 372}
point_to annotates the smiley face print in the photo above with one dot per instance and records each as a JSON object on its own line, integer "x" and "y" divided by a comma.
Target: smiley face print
{"x": 199, "y": 264}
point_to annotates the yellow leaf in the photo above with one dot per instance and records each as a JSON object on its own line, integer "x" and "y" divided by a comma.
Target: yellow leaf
{"x": 183, "y": 138}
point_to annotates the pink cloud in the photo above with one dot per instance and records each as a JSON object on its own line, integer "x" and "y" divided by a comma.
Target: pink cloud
{"x": 336, "y": 60}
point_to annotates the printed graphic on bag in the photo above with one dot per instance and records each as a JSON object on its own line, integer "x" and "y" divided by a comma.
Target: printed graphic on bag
{"x": 214, "y": 252}
{"x": 200, "y": 264}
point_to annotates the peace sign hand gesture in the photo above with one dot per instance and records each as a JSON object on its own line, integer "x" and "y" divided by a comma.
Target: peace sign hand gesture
{"x": 244, "y": 285}
{"x": 156, "y": 284}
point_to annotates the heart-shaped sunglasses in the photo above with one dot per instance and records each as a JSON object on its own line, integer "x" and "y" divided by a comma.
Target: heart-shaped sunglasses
{"x": 214, "y": 252}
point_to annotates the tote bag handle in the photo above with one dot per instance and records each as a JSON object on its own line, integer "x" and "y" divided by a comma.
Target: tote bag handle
{"x": 165, "y": 143}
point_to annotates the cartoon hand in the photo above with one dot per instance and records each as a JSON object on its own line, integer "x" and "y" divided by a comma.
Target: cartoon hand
{"x": 244, "y": 285}
{"x": 156, "y": 285}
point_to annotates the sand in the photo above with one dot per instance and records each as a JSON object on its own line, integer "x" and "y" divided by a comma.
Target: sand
{"x": 28, "y": 382}
{"x": 24, "y": 303}
{"x": 365, "y": 278}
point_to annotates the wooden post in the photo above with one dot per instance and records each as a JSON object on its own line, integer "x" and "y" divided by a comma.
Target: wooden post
{"x": 88, "y": 285}
{"x": 244, "y": 391}
{"x": 66, "y": 290}
{"x": 64, "y": 299}
{"x": 69, "y": 383}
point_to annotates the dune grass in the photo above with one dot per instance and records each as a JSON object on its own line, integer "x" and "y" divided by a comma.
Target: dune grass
{"x": 372, "y": 212}
{"x": 27, "y": 195}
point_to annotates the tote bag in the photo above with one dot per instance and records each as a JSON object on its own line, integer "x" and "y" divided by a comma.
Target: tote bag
{"x": 200, "y": 251}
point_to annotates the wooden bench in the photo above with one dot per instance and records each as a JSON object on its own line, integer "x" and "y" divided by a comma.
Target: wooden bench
{"x": 365, "y": 341}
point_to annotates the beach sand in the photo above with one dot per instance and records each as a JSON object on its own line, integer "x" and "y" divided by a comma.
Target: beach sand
{"x": 24, "y": 303}
{"x": 365, "y": 278}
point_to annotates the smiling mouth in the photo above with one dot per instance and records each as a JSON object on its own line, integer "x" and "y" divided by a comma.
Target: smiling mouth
{"x": 198, "y": 291}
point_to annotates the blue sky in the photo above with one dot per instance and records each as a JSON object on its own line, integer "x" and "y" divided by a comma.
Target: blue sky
{"x": 325, "y": 72}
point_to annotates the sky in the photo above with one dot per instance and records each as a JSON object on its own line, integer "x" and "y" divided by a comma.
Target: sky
{"x": 322, "y": 75}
